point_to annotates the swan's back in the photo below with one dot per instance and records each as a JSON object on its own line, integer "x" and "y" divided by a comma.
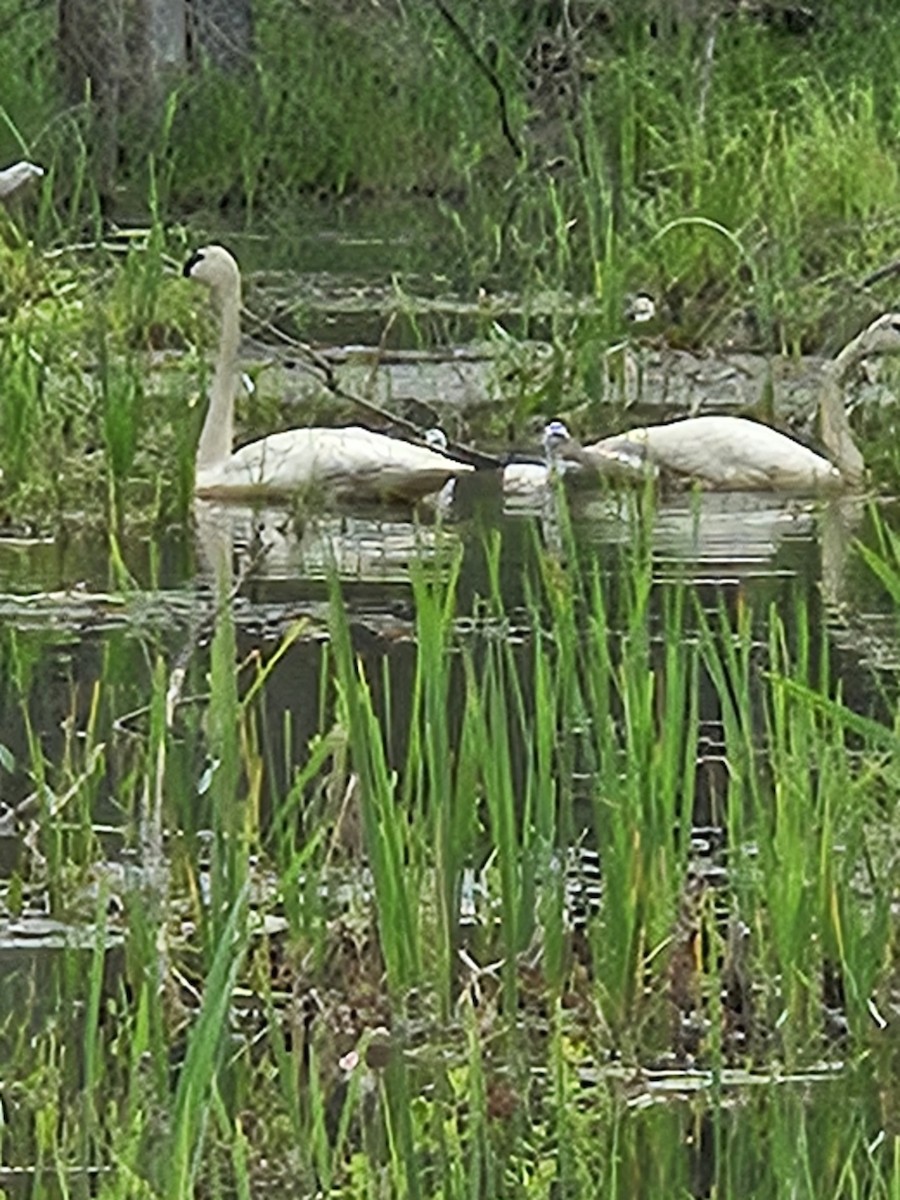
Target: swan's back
{"x": 524, "y": 478}
{"x": 351, "y": 461}
{"x": 729, "y": 452}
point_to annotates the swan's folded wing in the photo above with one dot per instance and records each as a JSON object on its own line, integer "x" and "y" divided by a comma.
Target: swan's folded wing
{"x": 357, "y": 457}
{"x": 728, "y": 452}
{"x": 351, "y": 461}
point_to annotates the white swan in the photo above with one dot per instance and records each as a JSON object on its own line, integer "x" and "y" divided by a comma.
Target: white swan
{"x": 523, "y": 480}
{"x": 740, "y": 454}
{"x": 352, "y": 462}
{"x": 16, "y": 176}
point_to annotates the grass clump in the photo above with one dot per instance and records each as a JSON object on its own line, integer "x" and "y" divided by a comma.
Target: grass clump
{"x": 783, "y": 141}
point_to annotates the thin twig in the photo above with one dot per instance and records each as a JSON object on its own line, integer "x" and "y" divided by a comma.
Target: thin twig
{"x": 317, "y": 362}
{"x": 884, "y": 272}
{"x": 378, "y": 356}
{"x": 487, "y": 71}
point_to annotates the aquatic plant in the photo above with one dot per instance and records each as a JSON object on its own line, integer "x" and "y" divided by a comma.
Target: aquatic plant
{"x": 411, "y": 999}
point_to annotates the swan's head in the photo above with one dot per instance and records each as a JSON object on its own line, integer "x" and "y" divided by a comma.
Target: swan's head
{"x": 881, "y": 337}
{"x": 215, "y": 267}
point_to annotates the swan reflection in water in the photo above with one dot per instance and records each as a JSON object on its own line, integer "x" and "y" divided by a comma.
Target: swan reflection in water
{"x": 723, "y": 535}
{"x": 275, "y": 543}
{"x": 708, "y": 534}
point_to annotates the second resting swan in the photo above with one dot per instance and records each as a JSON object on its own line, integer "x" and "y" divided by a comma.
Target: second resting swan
{"x": 352, "y": 461}
{"x": 527, "y": 479}
{"x": 728, "y": 453}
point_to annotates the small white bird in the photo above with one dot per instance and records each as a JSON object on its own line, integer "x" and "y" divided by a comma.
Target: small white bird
{"x": 16, "y": 176}
{"x": 739, "y": 454}
{"x": 351, "y": 462}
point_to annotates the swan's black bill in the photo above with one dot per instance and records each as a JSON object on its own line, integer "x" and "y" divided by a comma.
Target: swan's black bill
{"x": 192, "y": 262}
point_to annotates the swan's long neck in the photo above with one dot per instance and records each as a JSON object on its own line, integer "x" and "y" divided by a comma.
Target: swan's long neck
{"x": 834, "y": 426}
{"x": 214, "y": 447}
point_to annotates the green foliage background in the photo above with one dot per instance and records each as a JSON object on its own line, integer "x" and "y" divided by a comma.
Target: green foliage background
{"x": 626, "y": 121}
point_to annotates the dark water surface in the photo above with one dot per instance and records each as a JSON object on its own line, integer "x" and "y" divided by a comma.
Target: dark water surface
{"x": 69, "y": 619}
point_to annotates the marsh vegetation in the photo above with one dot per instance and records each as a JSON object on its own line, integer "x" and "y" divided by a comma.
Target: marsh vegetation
{"x": 549, "y": 851}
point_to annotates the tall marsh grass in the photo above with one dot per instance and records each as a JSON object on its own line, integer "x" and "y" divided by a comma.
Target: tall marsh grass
{"x": 444, "y": 996}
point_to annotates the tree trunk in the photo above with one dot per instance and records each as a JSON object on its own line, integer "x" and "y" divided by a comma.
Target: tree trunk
{"x": 117, "y": 56}
{"x": 166, "y": 35}
{"x": 117, "y": 52}
{"x": 93, "y": 61}
{"x": 111, "y": 47}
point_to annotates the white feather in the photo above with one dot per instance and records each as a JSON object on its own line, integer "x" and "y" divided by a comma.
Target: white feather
{"x": 16, "y": 176}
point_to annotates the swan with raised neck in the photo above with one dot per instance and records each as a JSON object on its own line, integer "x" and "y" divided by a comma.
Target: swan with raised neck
{"x": 350, "y": 462}
{"x": 731, "y": 453}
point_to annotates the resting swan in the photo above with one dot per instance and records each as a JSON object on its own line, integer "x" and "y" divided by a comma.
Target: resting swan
{"x": 739, "y": 454}
{"x": 561, "y": 457}
{"x": 352, "y": 462}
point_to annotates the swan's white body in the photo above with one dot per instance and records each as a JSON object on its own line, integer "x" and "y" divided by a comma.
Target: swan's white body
{"x": 352, "y": 462}
{"x": 727, "y": 453}
{"x": 342, "y": 462}
{"x": 526, "y": 478}
{"x": 740, "y": 454}
{"x": 563, "y": 456}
